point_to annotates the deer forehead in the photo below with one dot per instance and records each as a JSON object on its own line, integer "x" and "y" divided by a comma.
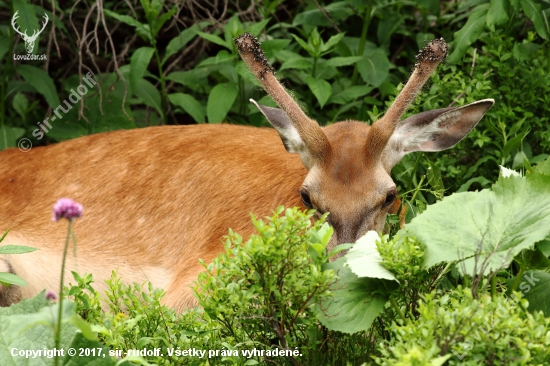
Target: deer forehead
{"x": 347, "y": 174}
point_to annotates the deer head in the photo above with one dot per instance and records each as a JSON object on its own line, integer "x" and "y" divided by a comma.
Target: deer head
{"x": 29, "y": 40}
{"x": 349, "y": 163}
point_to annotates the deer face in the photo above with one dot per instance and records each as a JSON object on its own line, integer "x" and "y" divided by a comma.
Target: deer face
{"x": 350, "y": 162}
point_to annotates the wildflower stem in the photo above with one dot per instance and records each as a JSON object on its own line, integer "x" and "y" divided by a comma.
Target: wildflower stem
{"x": 60, "y": 309}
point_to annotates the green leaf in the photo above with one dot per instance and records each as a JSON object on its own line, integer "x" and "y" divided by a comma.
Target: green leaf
{"x": 342, "y": 61}
{"x": 5, "y": 44}
{"x": 9, "y": 136}
{"x": 189, "y": 104}
{"x": 320, "y": 88}
{"x": 177, "y": 43}
{"x": 297, "y": 63}
{"x": 315, "y": 17}
{"x": 498, "y": 13}
{"x": 432, "y": 6}
{"x": 215, "y": 39}
{"x": 348, "y": 94}
{"x": 544, "y": 247}
{"x": 535, "y": 287}
{"x": 495, "y": 224}
{"x": 159, "y": 22}
{"x": 364, "y": 260}
{"x": 11, "y": 279}
{"x": 256, "y": 28}
{"x": 332, "y": 42}
{"x": 191, "y": 78}
{"x": 435, "y": 180}
{"x": 374, "y": 67}
{"x": 41, "y": 81}
{"x": 303, "y": 44}
{"x": 534, "y": 12}
{"x": 467, "y": 35}
{"x": 16, "y": 249}
{"x": 141, "y": 29}
{"x": 356, "y": 302}
{"x": 138, "y": 65}
{"x": 220, "y": 100}
{"x": 149, "y": 95}
{"x": 20, "y": 104}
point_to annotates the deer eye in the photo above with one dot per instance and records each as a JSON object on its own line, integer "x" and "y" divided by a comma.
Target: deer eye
{"x": 390, "y": 197}
{"x": 306, "y": 200}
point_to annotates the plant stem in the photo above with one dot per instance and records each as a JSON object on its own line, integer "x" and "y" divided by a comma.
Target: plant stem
{"x": 396, "y": 308}
{"x": 494, "y": 286}
{"x": 60, "y": 310}
{"x": 517, "y": 280}
{"x": 366, "y": 23}
{"x": 162, "y": 86}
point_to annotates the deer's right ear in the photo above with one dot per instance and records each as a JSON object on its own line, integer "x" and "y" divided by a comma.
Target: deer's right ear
{"x": 280, "y": 121}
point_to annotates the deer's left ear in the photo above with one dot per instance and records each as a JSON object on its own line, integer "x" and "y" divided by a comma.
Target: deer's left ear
{"x": 434, "y": 130}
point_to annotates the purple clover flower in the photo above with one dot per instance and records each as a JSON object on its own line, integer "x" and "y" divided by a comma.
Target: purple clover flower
{"x": 66, "y": 208}
{"x": 50, "y": 295}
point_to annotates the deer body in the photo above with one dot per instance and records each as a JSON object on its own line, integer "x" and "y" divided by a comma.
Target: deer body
{"x": 157, "y": 200}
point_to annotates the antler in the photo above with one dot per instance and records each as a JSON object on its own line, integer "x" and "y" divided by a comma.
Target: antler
{"x": 427, "y": 60}
{"x": 44, "y": 24}
{"x": 15, "y": 27}
{"x": 310, "y": 132}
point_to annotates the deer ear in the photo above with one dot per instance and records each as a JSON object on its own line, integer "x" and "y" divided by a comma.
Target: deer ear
{"x": 434, "y": 130}
{"x": 280, "y": 121}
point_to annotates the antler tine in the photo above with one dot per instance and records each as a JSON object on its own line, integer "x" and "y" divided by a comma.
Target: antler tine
{"x": 45, "y": 22}
{"x": 310, "y": 132}
{"x": 427, "y": 61}
{"x": 14, "y": 25}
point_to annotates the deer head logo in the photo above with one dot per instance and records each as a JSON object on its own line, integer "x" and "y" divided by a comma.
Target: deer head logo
{"x": 29, "y": 40}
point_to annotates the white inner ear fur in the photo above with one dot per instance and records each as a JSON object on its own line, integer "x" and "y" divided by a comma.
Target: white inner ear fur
{"x": 289, "y": 135}
{"x": 443, "y": 132}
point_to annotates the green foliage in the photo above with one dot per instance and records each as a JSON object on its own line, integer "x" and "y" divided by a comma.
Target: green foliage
{"x": 8, "y": 279}
{"x": 29, "y": 326}
{"x": 487, "y": 229}
{"x": 263, "y": 291}
{"x": 461, "y": 330}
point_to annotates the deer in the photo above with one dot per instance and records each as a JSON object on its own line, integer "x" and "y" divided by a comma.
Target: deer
{"x": 158, "y": 199}
{"x": 29, "y": 40}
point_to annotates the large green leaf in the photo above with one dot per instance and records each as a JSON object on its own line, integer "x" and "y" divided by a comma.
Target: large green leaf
{"x": 220, "y": 100}
{"x": 41, "y": 81}
{"x": 5, "y": 44}
{"x": 364, "y": 260}
{"x": 535, "y": 287}
{"x": 467, "y": 35}
{"x": 534, "y": 12}
{"x": 189, "y": 104}
{"x": 374, "y": 67}
{"x": 320, "y": 88}
{"x": 494, "y": 224}
{"x": 498, "y": 13}
{"x": 138, "y": 64}
{"x": 356, "y": 302}
{"x": 297, "y": 63}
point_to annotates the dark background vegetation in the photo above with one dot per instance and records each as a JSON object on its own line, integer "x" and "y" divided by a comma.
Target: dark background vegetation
{"x": 174, "y": 63}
